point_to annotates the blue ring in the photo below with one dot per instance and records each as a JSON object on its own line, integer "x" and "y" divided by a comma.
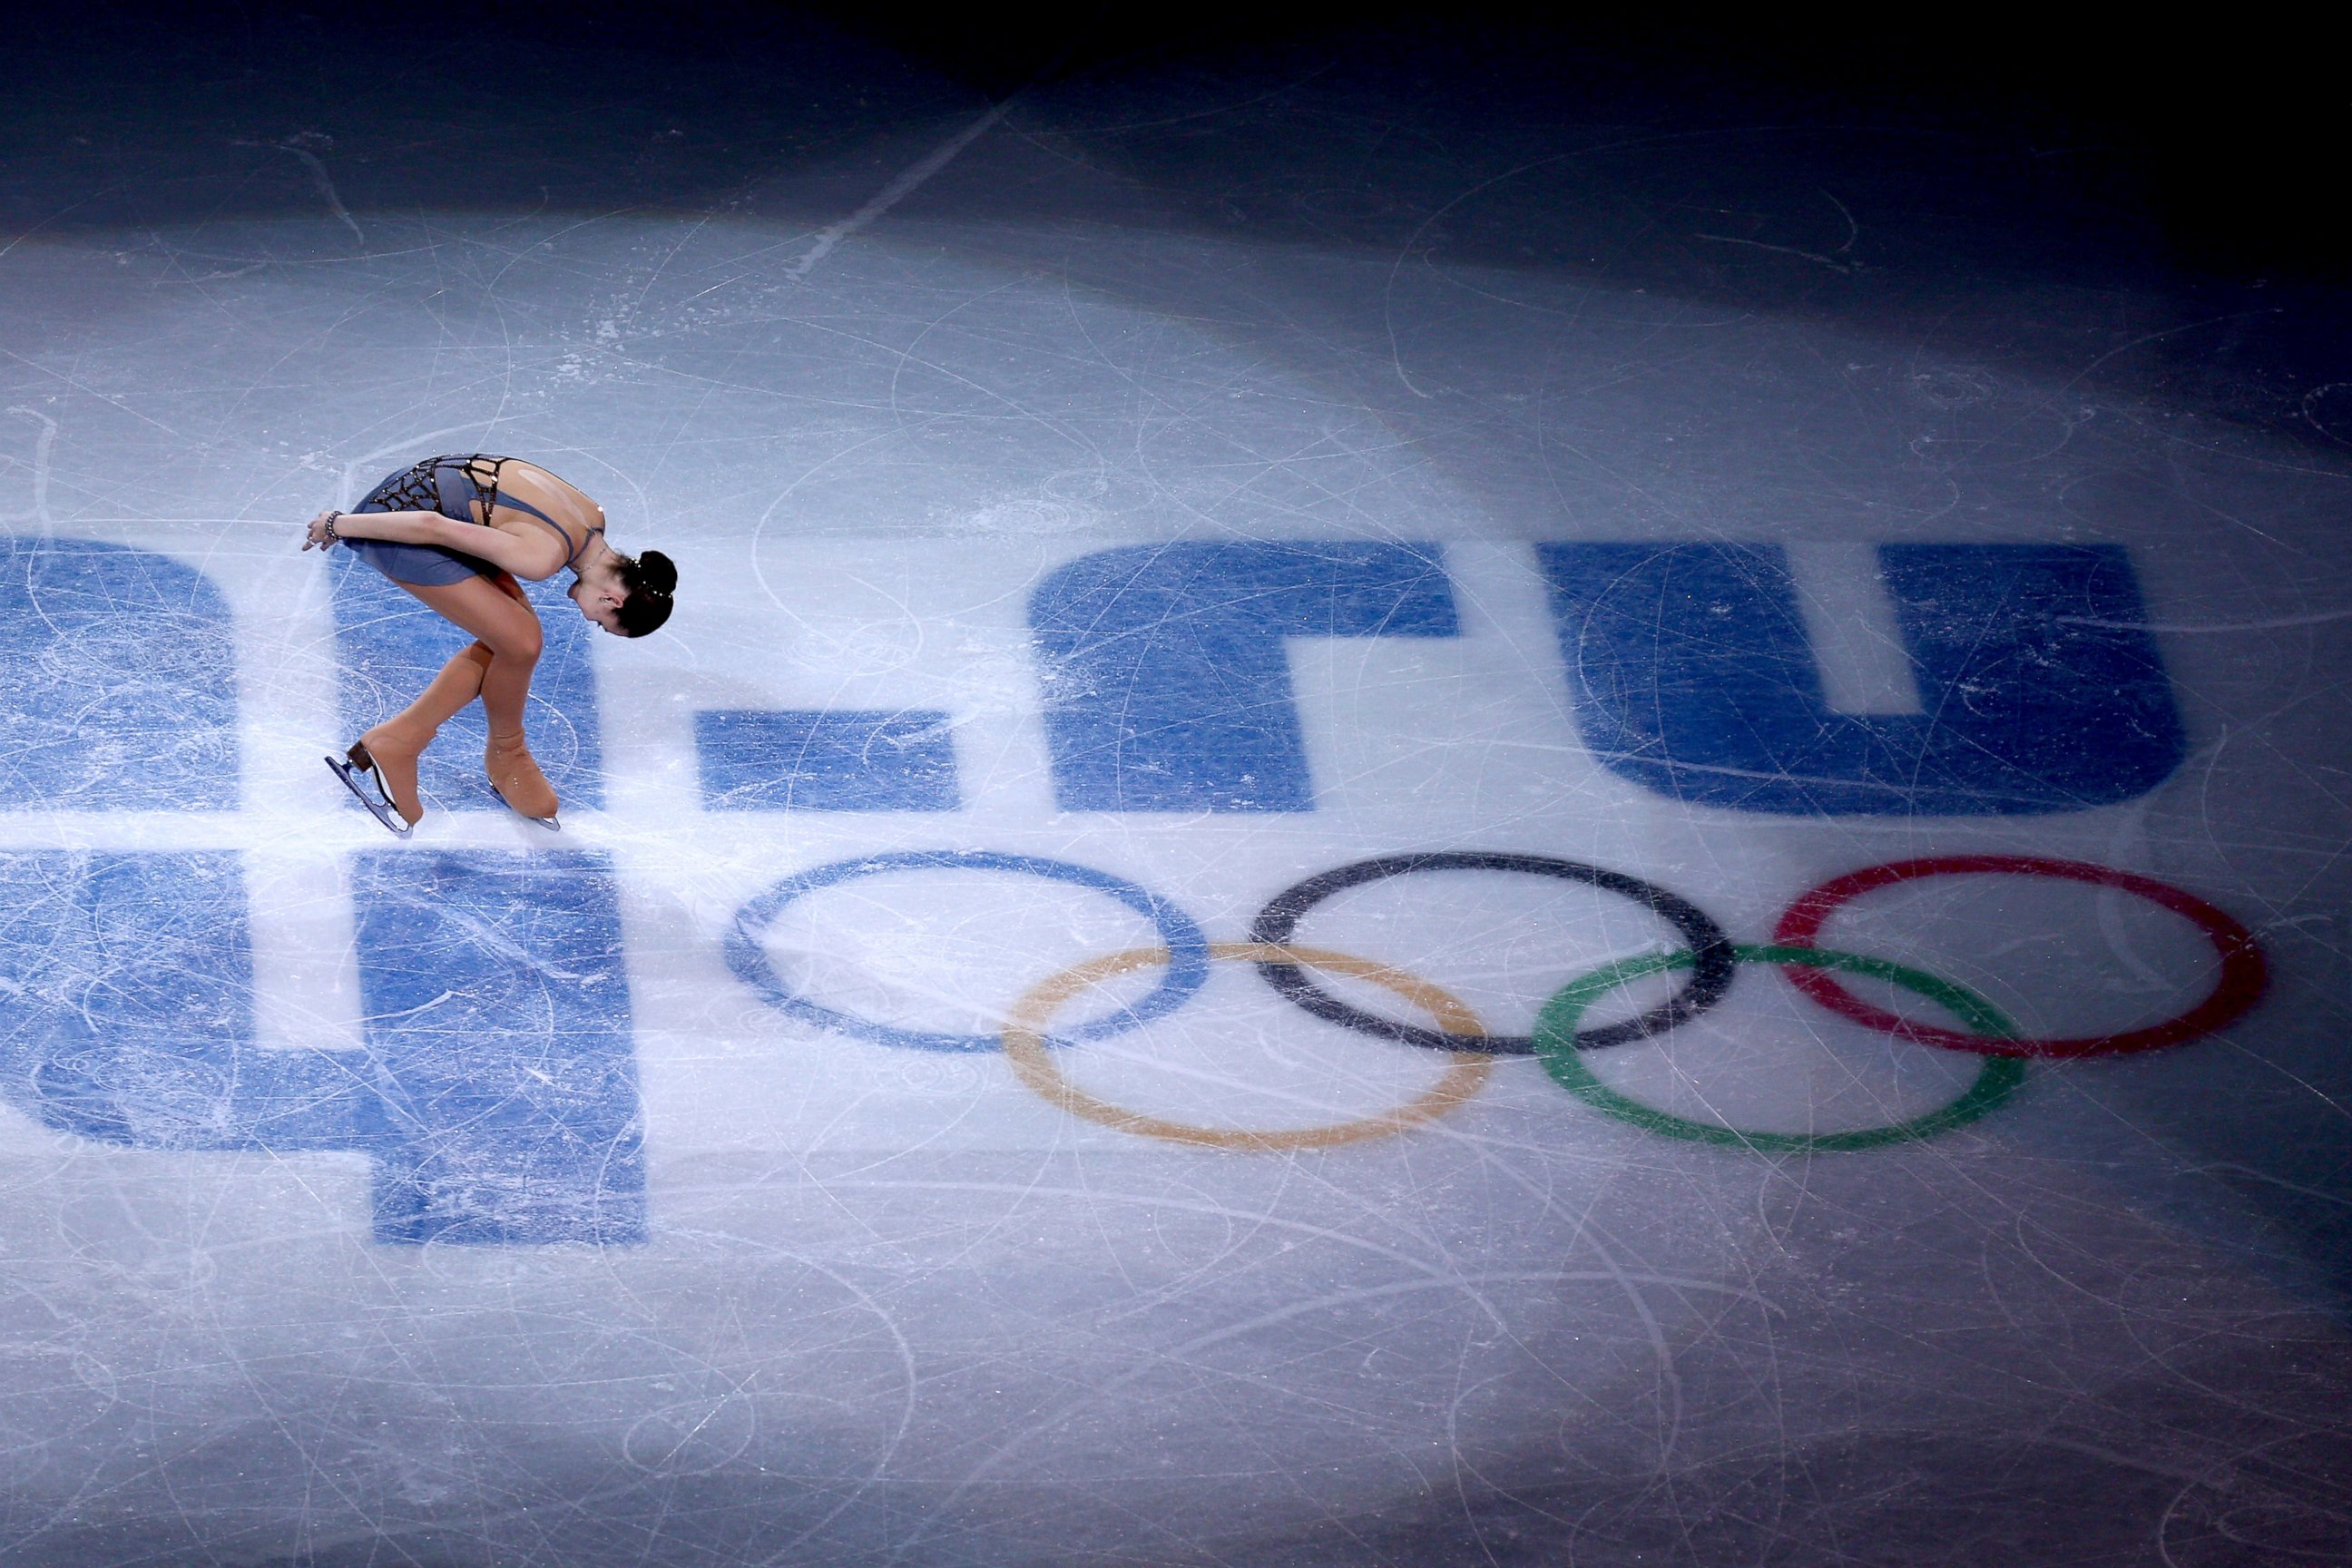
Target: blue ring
{"x": 1188, "y": 948}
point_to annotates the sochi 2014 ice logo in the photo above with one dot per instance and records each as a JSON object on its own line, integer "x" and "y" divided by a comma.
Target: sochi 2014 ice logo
{"x": 1691, "y": 670}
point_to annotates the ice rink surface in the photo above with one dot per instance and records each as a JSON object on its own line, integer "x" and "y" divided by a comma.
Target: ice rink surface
{"x": 1192, "y": 948}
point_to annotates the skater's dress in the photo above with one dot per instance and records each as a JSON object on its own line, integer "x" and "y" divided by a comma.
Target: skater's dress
{"x": 449, "y": 485}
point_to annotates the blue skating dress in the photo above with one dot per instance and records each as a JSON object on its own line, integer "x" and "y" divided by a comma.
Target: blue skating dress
{"x": 450, "y": 486}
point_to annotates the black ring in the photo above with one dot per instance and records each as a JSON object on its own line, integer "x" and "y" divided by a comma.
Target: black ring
{"x": 1713, "y": 960}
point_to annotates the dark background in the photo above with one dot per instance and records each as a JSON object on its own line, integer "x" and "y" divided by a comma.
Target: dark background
{"x": 2223, "y": 131}
{"x": 2161, "y": 177}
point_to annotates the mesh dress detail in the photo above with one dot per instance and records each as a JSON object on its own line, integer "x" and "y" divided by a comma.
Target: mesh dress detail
{"x": 449, "y": 485}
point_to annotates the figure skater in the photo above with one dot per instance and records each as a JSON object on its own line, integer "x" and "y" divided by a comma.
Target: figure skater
{"x": 457, "y": 532}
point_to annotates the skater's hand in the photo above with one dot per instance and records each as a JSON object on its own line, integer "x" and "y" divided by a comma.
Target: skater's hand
{"x": 317, "y": 535}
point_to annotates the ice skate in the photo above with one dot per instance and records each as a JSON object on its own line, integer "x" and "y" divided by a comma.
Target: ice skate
{"x": 389, "y": 769}
{"x": 516, "y": 780}
{"x": 387, "y": 754}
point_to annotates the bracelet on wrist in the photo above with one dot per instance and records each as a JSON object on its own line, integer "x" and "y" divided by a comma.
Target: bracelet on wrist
{"x": 333, "y": 537}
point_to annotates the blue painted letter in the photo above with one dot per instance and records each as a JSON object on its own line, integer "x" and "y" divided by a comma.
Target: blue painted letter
{"x": 496, "y": 1096}
{"x": 1692, "y": 675}
{"x": 1166, "y": 686}
{"x": 121, "y": 678}
{"x": 126, "y": 1009}
{"x": 497, "y": 1010}
{"x": 824, "y": 759}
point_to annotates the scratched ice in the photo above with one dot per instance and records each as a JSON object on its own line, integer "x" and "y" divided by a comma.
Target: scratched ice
{"x": 883, "y": 1128}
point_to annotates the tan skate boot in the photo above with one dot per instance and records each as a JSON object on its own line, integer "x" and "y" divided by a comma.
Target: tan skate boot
{"x": 387, "y": 754}
{"x": 518, "y": 781}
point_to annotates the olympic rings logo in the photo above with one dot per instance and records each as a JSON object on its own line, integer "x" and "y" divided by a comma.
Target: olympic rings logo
{"x": 1706, "y": 957}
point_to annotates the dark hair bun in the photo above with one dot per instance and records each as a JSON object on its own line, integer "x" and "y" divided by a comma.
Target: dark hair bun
{"x": 651, "y": 579}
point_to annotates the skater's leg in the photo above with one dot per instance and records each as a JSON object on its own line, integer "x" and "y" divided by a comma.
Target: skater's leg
{"x": 502, "y": 620}
{"x": 459, "y": 682}
{"x": 503, "y": 624}
{"x": 393, "y": 746}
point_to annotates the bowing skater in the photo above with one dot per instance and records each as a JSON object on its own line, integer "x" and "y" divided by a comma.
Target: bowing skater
{"x": 457, "y": 532}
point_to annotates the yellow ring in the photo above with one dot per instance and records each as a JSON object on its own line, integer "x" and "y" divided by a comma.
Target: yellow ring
{"x": 1033, "y": 1061}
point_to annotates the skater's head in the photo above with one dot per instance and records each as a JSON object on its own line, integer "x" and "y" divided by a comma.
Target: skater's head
{"x": 628, "y": 595}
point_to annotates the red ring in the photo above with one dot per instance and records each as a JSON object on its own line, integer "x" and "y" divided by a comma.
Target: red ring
{"x": 2244, "y": 971}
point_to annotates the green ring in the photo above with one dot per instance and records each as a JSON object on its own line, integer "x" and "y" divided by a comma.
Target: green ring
{"x": 1555, "y": 1035}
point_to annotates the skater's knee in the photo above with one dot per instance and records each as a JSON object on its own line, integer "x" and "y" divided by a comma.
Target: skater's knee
{"x": 521, "y": 644}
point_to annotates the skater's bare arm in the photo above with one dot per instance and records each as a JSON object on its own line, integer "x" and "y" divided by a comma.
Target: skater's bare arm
{"x": 532, "y": 557}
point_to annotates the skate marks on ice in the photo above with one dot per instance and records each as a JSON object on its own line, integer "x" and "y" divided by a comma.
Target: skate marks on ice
{"x": 1511, "y": 986}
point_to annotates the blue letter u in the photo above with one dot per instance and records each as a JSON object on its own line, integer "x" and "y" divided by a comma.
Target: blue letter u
{"x": 1692, "y": 675}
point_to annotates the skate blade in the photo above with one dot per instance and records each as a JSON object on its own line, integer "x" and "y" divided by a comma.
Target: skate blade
{"x": 549, "y": 823}
{"x": 350, "y": 773}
